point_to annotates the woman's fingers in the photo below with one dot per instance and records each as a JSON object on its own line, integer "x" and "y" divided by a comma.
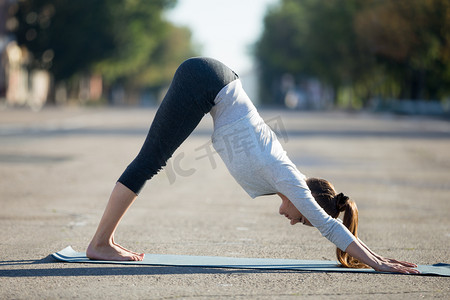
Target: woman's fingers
{"x": 394, "y": 261}
{"x": 407, "y": 264}
{"x": 406, "y": 270}
{"x": 397, "y": 268}
{"x": 403, "y": 263}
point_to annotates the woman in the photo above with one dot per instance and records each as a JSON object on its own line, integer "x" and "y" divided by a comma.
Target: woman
{"x": 251, "y": 153}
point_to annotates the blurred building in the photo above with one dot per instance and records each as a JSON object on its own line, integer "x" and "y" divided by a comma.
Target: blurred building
{"x": 19, "y": 85}
{"x": 4, "y": 39}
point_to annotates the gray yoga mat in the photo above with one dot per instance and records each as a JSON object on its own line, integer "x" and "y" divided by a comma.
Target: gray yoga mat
{"x": 70, "y": 255}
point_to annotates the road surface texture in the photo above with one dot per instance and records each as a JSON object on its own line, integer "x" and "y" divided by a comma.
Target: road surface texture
{"x": 58, "y": 166}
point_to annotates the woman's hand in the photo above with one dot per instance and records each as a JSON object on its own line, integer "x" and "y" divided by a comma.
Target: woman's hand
{"x": 399, "y": 262}
{"x": 388, "y": 260}
{"x": 358, "y": 250}
{"x": 392, "y": 265}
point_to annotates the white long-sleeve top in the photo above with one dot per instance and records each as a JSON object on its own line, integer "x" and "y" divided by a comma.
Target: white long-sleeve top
{"x": 257, "y": 161}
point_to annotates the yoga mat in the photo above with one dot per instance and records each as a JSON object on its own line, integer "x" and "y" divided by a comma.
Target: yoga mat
{"x": 70, "y": 255}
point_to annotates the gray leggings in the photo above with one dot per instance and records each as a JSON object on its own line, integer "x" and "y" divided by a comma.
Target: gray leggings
{"x": 191, "y": 95}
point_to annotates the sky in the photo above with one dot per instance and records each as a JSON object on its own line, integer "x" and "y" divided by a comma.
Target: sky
{"x": 224, "y": 29}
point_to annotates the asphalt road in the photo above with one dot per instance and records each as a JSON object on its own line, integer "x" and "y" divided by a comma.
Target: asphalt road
{"x": 58, "y": 166}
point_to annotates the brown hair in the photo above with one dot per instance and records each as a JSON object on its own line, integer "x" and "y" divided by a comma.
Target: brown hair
{"x": 324, "y": 193}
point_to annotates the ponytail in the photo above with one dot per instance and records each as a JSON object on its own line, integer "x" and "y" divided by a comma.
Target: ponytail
{"x": 325, "y": 195}
{"x": 344, "y": 204}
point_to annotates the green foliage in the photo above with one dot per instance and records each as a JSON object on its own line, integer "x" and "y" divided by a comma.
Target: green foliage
{"x": 126, "y": 41}
{"x": 64, "y": 36}
{"x": 361, "y": 48}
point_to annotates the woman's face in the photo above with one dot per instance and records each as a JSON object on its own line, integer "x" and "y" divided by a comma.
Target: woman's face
{"x": 291, "y": 212}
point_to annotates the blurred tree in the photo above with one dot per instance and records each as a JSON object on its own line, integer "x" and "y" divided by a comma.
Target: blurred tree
{"x": 148, "y": 47}
{"x": 411, "y": 41}
{"x": 65, "y": 36}
{"x": 364, "y": 48}
{"x": 309, "y": 39}
{"x": 123, "y": 40}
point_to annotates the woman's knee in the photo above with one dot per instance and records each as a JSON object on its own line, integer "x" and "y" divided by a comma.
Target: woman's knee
{"x": 205, "y": 69}
{"x": 192, "y": 67}
{"x": 192, "y": 64}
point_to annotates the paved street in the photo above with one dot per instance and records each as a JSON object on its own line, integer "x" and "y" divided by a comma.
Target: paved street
{"x": 58, "y": 166}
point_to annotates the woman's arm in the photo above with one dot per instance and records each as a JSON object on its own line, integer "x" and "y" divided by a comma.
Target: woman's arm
{"x": 378, "y": 263}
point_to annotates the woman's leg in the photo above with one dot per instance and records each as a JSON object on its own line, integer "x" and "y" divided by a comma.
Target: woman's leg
{"x": 190, "y": 96}
{"x": 102, "y": 245}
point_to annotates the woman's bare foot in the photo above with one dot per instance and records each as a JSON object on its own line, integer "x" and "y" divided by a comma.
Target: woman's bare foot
{"x": 125, "y": 249}
{"x": 112, "y": 252}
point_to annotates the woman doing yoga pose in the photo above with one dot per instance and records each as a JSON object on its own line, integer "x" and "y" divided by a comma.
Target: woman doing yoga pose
{"x": 258, "y": 163}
